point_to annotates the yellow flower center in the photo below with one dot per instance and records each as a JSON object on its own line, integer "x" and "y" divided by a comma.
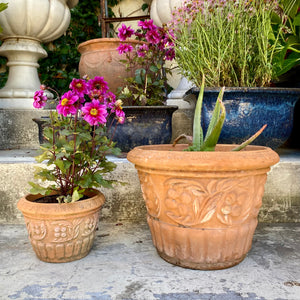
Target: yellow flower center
{"x": 79, "y": 85}
{"x": 94, "y": 112}
{"x": 64, "y": 101}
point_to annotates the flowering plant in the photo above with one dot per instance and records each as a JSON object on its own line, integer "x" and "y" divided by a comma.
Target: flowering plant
{"x": 231, "y": 42}
{"x": 148, "y": 86}
{"x": 77, "y": 139}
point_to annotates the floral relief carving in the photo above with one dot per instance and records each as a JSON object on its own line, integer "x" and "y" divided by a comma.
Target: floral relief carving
{"x": 64, "y": 231}
{"x": 149, "y": 194}
{"x": 89, "y": 225}
{"x": 191, "y": 202}
{"x": 37, "y": 230}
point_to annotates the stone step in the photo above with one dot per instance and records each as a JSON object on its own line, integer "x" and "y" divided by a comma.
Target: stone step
{"x": 281, "y": 202}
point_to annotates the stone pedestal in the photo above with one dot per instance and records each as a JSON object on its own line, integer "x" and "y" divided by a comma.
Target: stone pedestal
{"x": 17, "y": 130}
{"x": 26, "y": 24}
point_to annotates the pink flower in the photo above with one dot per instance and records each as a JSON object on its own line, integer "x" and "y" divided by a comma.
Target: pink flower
{"x": 66, "y": 104}
{"x": 98, "y": 83}
{"x": 95, "y": 94}
{"x": 121, "y": 120}
{"x": 40, "y": 99}
{"x": 153, "y": 37}
{"x": 79, "y": 86}
{"x": 94, "y": 113}
{"x": 170, "y": 54}
{"x": 125, "y": 32}
{"x": 147, "y": 24}
{"x": 120, "y": 113}
{"x": 110, "y": 99}
{"x": 142, "y": 50}
{"x": 124, "y": 48}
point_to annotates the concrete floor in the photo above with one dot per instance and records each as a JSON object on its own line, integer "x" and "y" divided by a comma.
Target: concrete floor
{"x": 123, "y": 264}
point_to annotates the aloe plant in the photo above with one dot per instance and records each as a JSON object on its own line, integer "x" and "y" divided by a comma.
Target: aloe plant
{"x": 199, "y": 142}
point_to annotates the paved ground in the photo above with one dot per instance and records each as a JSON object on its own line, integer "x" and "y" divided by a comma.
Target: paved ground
{"x": 124, "y": 265}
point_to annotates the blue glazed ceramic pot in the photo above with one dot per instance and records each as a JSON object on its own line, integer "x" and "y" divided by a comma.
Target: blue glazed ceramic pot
{"x": 144, "y": 125}
{"x": 248, "y": 109}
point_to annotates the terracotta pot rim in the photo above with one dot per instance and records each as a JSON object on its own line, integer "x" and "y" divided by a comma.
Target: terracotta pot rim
{"x": 85, "y": 44}
{"x": 162, "y": 157}
{"x": 34, "y": 209}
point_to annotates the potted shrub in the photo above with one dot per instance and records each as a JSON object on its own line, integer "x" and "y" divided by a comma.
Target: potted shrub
{"x": 149, "y": 120}
{"x": 99, "y": 56}
{"x": 203, "y": 200}
{"x": 62, "y": 211}
{"x": 234, "y": 44}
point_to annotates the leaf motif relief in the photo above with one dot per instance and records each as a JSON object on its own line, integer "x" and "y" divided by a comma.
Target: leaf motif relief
{"x": 37, "y": 230}
{"x": 149, "y": 194}
{"x": 90, "y": 224}
{"x": 185, "y": 200}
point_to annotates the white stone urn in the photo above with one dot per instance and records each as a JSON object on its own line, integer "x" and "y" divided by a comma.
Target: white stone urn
{"x": 26, "y": 24}
{"x": 161, "y": 10}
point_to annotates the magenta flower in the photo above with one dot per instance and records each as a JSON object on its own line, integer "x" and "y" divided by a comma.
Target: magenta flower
{"x": 125, "y": 32}
{"x": 124, "y": 48}
{"x": 94, "y": 113}
{"x": 110, "y": 99}
{"x": 121, "y": 120}
{"x": 142, "y": 50}
{"x": 170, "y": 54}
{"x": 95, "y": 94}
{"x": 66, "y": 104}
{"x": 147, "y": 24}
{"x": 79, "y": 86}
{"x": 39, "y": 99}
{"x": 98, "y": 83}
{"x": 153, "y": 36}
{"x": 119, "y": 112}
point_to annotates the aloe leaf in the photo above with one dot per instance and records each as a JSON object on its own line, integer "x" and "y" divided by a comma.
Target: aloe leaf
{"x": 216, "y": 112}
{"x": 250, "y": 140}
{"x": 197, "y": 129}
{"x": 212, "y": 139}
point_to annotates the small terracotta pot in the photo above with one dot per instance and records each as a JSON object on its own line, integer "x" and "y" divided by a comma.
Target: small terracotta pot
{"x": 202, "y": 206}
{"x": 61, "y": 232}
{"x": 100, "y": 57}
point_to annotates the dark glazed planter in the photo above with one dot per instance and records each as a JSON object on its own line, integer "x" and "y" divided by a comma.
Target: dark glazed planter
{"x": 248, "y": 109}
{"x": 144, "y": 125}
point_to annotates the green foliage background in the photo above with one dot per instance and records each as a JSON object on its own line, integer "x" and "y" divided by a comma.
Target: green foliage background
{"x": 61, "y": 65}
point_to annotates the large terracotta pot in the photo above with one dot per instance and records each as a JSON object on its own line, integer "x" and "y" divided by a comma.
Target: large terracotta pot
{"x": 99, "y": 57}
{"x": 61, "y": 232}
{"x": 202, "y": 206}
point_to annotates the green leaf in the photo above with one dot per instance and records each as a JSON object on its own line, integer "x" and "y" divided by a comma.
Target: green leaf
{"x": 197, "y": 129}
{"x": 37, "y": 189}
{"x": 60, "y": 164}
{"x": 76, "y": 196}
{"x": 154, "y": 69}
{"x": 40, "y": 158}
{"x": 212, "y": 138}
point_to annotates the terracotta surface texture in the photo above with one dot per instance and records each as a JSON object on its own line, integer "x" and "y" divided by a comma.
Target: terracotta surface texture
{"x": 61, "y": 232}
{"x": 202, "y": 206}
{"x": 100, "y": 57}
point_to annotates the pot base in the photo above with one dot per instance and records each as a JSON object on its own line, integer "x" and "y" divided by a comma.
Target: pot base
{"x": 200, "y": 266}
